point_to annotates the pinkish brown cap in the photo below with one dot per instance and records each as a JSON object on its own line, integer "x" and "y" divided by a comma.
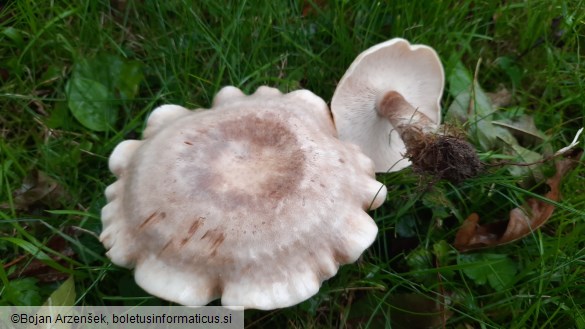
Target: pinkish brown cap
{"x": 255, "y": 201}
{"x": 413, "y": 71}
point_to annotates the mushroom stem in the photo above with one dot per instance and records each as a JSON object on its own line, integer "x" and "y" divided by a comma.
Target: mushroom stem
{"x": 445, "y": 156}
{"x": 410, "y": 123}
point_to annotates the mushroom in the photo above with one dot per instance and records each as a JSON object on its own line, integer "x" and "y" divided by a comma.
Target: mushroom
{"x": 389, "y": 95}
{"x": 255, "y": 201}
{"x": 388, "y": 103}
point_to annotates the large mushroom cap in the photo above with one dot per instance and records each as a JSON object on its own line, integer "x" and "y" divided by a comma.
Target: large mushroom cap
{"x": 255, "y": 202}
{"x": 413, "y": 71}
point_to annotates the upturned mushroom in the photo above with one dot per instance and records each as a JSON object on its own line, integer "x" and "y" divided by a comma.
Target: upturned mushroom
{"x": 388, "y": 103}
{"x": 255, "y": 201}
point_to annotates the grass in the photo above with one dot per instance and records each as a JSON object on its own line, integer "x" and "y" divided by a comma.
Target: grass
{"x": 148, "y": 53}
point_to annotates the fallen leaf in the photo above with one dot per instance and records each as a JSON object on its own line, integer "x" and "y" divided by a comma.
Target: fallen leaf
{"x": 530, "y": 173}
{"x": 473, "y": 107}
{"x": 523, "y": 220}
{"x": 500, "y": 98}
{"x": 409, "y": 310}
{"x": 64, "y": 295}
{"x": 4, "y": 74}
{"x": 489, "y": 125}
{"x": 399, "y": 310}
{"x": 524, "y": 129}
{"x": 119, "y": 5}
{"x": 38, "y": 269}
{"x": 312, "y": 8}
{"x": 37, "y": 188}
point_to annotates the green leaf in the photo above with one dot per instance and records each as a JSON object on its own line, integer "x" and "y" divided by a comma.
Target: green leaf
{"x": 514, "y": 72}
{"x": 128, "y": 79}
{"x": 460, "y": 83}
{"x": 21, "y": 292}
{"x": 527, "y": 156}
{"x": 441, "y": 251}
{"x": 473, "y": 105}
{"x": 419, "y": 262}
{"x": 459, "y": 79}
{"x": 121, "y": 78}
{"x": 437, "y": 201}
{"x": 59, "y": 117}
{"x": 98, "y": 86}
{"x": 406, "y": 226}
{"x": 458, "y": 110}
{"x": 52, "y": 73}
{"x": 14, "y": 35}
{"x": 497, "y": 270}
{"x": 89, "y": 102}
{"x": 64, "y": 295}
{"x": 489, "y": 135}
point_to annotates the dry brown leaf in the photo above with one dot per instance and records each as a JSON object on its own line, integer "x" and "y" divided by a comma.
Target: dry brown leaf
{"x": 411, "y": 310}
{"x": 38, "y": 188}
{"x": 4, "y": 74}
{"x": 406, "y": 310}
{"x": 523, "y": 220}
{"x": 310, "y": 8}
{"x": 39, "y": 270}
{"x": 524, "y": 129}
{"x": 500, "y": 98}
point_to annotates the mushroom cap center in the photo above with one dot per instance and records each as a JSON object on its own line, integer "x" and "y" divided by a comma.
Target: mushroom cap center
{"x": 241, "y": 162}
{"x": 260, "y": 159}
